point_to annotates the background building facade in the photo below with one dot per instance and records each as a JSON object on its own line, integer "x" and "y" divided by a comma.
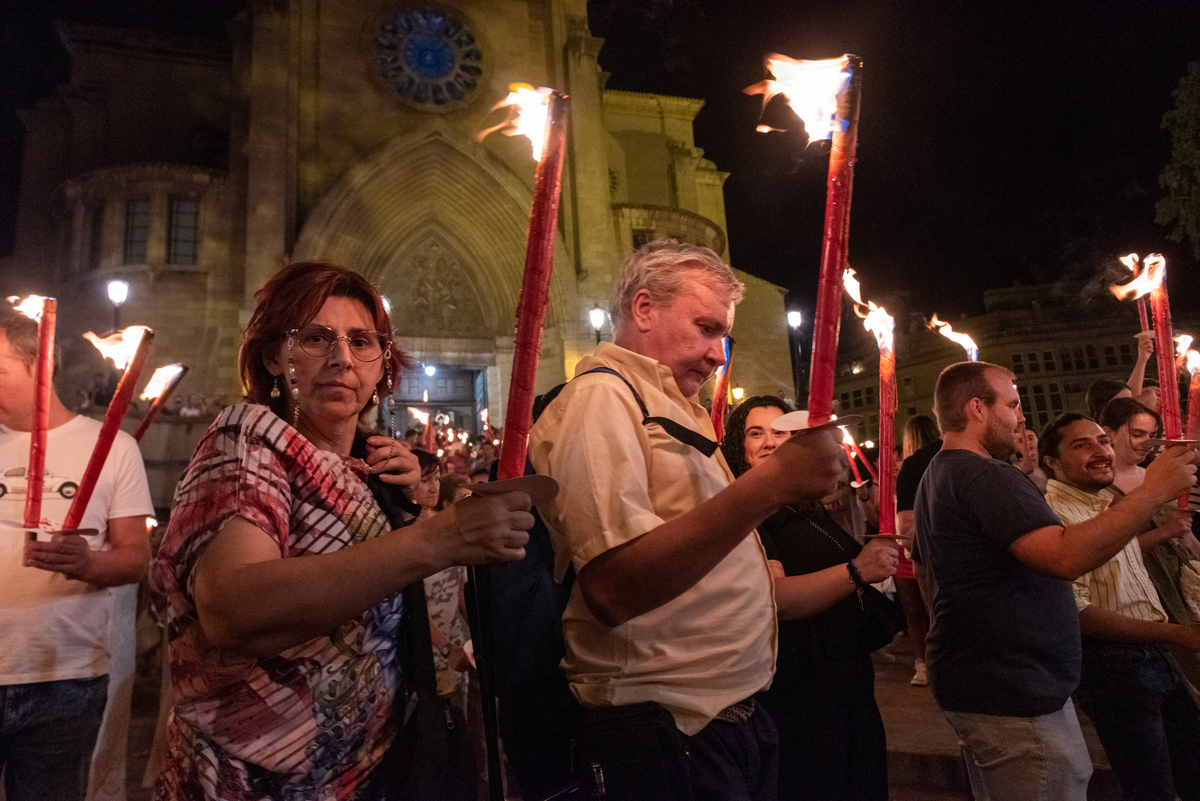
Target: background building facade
{"x": 348, "y": 131}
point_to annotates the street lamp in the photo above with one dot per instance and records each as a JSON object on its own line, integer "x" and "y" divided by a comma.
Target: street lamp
{"x": 118, "y": 291}
{"x": 793, "y": 320}
{"x": 597, "y": 315}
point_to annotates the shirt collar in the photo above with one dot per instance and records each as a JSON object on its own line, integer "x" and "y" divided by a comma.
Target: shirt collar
{"x": 632, "y": 364}
{"x": 1098, "y": 502}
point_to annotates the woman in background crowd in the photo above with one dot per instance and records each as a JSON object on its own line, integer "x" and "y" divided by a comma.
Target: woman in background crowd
{"x": 921, "y": 441}
{"x": 831, "y": 739}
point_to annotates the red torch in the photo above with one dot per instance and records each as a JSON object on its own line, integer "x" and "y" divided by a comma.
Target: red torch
{"x": 1131, "y": 261}
{"x": 1193, "y": 406}
{"x": 880, "y": 323}
{"x": 825, "y": 95}
{"x": 45, "y": 312}
{"x": 128, "y": 349}
{"x": 1151, "y": 279}
{"x": 158, "y": 391}
{"x": 852, "y": 450}
{"x": 720, "y": 401}
{"x": 541, "y": 114}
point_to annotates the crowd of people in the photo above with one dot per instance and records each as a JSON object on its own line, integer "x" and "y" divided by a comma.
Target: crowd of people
{"x": 720, "y": 601}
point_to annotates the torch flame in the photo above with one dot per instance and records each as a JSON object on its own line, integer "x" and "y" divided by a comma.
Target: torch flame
{"x": 161, "y": 379}
{"x": 422, "y": 417}
{"x": 1193, "y": 362}
{"x": 527, "y": 111}
{"x": 846, "y": 438}
{"x": 120, "y": 346}
{"x": 875, "y": 319}
{"x": 945, "y": 330}
{"x": 1145, "y": 280}
{"x": 483, "y": 415}
{"x": 812, "y": 89}
{"x": 31, "y": 307}
{"x": 1182, "y": 343}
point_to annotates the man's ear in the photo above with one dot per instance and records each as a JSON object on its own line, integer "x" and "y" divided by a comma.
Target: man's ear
{"x": 640, "y": 310}
{"x": 975, "y": 409}
{"x": 1051, "y": 464}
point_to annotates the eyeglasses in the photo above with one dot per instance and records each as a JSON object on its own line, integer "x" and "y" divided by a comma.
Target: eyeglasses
{"x": 319, "y": 341}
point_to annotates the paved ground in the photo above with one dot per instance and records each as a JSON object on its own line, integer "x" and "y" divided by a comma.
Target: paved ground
{"x": 923, "y": 757}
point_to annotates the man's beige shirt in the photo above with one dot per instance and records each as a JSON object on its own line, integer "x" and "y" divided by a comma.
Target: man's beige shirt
{"x": 715, "y": 644}
{"x": 1119, "y": 585}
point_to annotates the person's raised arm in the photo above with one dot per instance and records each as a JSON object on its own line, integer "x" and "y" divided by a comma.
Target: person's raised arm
{"x": 660, "y": 565}
{"x": 1145, "y": 350}
{"x": 253, "y": 602}
{"x": 1070, "y": 552}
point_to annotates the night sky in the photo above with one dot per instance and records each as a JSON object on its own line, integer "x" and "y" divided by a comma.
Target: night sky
{"x": 999, "y": 141}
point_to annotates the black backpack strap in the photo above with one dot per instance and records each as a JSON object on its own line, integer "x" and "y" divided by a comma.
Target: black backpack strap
{"x": 682, "y": 433}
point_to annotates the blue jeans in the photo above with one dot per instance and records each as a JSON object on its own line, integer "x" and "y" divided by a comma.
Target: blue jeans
{"x": 1146, "y": 720}
{"x": 47, "y": 733}
{"x": 1024, "y": 759}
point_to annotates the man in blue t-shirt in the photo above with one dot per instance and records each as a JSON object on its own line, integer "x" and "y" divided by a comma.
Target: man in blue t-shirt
{"x": 1004, "y": 652}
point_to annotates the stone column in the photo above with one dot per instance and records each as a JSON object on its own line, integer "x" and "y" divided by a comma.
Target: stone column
{"x": 268, "y": 181}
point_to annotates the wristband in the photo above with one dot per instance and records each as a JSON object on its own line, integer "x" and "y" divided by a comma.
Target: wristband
{"x": 855, "y": 576}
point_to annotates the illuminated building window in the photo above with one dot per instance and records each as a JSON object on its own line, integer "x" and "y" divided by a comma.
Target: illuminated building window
{"x": 137, "y": 229}
{"x": 183, "y": 231}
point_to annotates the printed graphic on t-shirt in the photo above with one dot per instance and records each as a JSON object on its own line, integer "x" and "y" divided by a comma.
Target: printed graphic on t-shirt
{"x": 14, "y": 481}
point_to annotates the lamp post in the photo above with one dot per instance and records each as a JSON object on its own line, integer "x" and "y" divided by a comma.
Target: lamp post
{"x": 793, "y": 320}
{"x": 596, "y": 316}
{"x": 118, "y": 291}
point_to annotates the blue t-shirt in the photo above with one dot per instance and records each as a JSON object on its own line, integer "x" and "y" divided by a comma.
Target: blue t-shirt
{"x": 1004, "y": 638}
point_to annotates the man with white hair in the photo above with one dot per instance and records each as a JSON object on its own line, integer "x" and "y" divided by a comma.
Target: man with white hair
{"x": 670, "y": 628}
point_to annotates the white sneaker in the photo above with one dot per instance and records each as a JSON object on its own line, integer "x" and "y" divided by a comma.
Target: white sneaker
{"x": 920, "y": 676}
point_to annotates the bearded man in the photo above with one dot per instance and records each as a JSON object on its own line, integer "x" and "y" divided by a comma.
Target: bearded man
{"x": 1004, "y": 648}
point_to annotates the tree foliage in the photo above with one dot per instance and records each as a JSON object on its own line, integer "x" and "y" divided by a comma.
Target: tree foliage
{"x": 1180, "y": 209}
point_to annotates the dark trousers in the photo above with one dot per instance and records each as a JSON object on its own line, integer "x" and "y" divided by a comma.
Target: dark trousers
{"x": 47, "y": 734}
{"x": 1145, "y": 719}
{"x": 832, "y": 745}
{"x": 644, "y": 757}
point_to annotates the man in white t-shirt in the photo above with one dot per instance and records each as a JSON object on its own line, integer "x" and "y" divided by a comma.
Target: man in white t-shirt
{"x": 55, "y": 602}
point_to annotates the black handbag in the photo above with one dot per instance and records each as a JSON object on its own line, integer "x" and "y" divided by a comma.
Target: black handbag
{"x": 882, "y": 617}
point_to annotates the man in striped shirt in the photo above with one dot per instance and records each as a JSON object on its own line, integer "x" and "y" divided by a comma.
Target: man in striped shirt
{"x": 1130, "y": 688}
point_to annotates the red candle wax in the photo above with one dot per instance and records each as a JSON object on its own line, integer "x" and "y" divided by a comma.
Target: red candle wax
{"x": 1193, "y": 418}
{"x": 853, "y": 465}
{"x": 720, "y": 400}
{"x": 1168, "y": 381}
{"x": 535, "y": 292}
{"x": 887, "y": 441}
{"x": 866, "y": 462}
{"x": 828, "y": 317}
{"x": 43, "y": 387}
{"x": 108, "y": 432}
{"x": 1142, "y": 316}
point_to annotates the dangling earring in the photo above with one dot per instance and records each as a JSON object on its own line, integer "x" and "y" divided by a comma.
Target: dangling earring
{"x": 387, "y": 370}
{"x": 292, "y": 372}
{"x": 275, "y": 387}
{"x": 295, "y": 385}
{"x": 375, "y": 397}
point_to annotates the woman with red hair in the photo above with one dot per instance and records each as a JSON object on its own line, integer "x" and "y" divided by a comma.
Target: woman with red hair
{"x": 282, "y": 577}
